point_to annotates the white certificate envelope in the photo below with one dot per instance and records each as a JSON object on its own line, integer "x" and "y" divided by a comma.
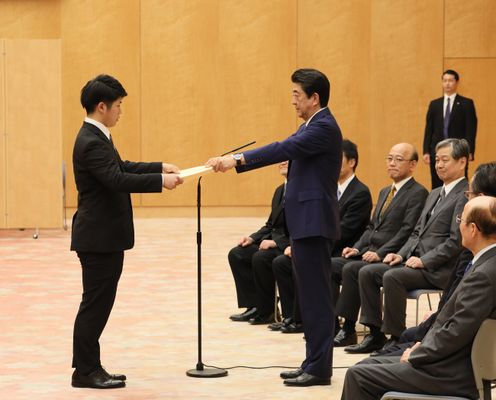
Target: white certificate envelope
{"x": 184, "y": 173}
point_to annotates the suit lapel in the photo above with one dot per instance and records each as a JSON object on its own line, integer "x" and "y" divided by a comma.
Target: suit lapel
{"x": 397, "y": 197}
{"x": 380, "y": 203}
{"x": 348, "y": 192}
{"x": 107, "y": 142}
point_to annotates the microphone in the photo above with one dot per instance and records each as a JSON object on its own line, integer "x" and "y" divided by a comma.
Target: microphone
{"x": 238, "y": 148}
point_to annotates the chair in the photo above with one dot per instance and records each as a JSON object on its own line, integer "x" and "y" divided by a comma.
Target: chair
{"x": 415, "y": 295}
{"x": 483, "y": 364}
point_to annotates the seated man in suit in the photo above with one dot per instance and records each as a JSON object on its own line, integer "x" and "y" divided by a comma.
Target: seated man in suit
{"x": 441, "y": 363}
{"x": 425, "y": 260}
{"x": 355, "y": 204}
{"x": 252, "y": 258}
{"x": 397, "y": 210}
{"x": 483, "y": 183}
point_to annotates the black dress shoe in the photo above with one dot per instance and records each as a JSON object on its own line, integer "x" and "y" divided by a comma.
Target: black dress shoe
{"x": 115, "y": 377}
{"x": 262, "y": 320}
{"x": 368, "y": 345}
{"x": 97, "y": 380}
{"x": 307, "y": 380}
{"x": 292, "y": 328}
{"x": 390, "y": 343}
{"x": 244, "y": 316}
{"x": 291, "y": 374}
{"x": 276, "y": 326}
{"x": 344, "y": 338}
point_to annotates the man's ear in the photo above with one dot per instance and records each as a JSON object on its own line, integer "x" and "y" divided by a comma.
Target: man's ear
{"x": 101, "y": 107}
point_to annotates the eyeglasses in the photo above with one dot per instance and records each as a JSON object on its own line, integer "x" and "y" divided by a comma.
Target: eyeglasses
{"x": 397, "y": 160}
{"x": 459, "y": 219}
{"x": 469, "y": 194}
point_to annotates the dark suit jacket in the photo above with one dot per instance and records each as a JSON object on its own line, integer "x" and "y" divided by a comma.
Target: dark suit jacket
{"x": 387, "y": 234}
{"x": 103, "y": 221}
{"x": 314, "y": 154}
{"x": 462, "y": 125}
{"x": 274, "y": 228}
{"x": 355, "y": 205}
{"x": 436, "y": 240}
{"x": 445, "y": 352}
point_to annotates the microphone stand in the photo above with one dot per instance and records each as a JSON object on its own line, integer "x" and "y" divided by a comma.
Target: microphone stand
{"x": 200, "y": 371}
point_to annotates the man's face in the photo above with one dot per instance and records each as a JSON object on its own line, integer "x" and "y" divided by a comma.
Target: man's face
{"x": 346, "y": 168}
{"x": 468, "y": 231}
{"x": 399, "y": 164}
{"x": 283, "y": 168}
{"x": 449, "y": 84}
{"x": 305, "y": 106}
{"x": 448, "y": 169}
{"x": 111, "y": 114}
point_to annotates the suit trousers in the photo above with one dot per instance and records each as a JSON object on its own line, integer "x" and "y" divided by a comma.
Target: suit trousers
{"x": 346, "y": 270}
{"x": 371, "y": 381}
{"x": 282, "y": 266}
{"x": 265, "y": 283}
{"x": 312, "y": 266}
{"x": 101, "y": 273}
{"x": 397, "y": 282}
{"x": 241, "y": 267}
{"x": 370, "y": 283}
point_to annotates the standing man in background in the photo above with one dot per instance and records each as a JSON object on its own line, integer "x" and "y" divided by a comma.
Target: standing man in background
{"x": 450, "y": 116}
{"x": 102, "y": 227}
{"x": 312, "y": 214}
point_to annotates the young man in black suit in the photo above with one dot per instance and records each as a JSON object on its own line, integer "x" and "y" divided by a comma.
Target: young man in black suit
{"x": 102, "y": 227}
{"x": 450, "y": 116}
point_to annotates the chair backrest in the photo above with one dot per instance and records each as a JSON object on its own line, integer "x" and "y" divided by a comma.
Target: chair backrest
{"x": 484, "y": 356}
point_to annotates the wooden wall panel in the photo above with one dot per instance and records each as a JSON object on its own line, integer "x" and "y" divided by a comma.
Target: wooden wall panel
{"x": 3, "y": 171}
{"x": 33, "y": 127}
{"x": 336, "y": 40}
{"x": 30, "y": 19}
{"x": 405, "y": 67}
{"x": 474, "y": 85}
{"x": 100, "y": 37}
{"x": 216, "y": 74}
{"x": 470, "y": 28}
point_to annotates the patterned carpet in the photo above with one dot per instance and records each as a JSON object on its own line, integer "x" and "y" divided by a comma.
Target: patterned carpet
{"x": 151, "y": 335}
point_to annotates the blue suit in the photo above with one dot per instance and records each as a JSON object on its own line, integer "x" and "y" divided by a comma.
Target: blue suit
{"x": 312, "y": 217}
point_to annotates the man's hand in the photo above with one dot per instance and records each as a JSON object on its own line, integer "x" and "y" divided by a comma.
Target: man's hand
{"x": 427, "y": 158}
{"x": 371, "y": 257}
{"x": 406, "y": 353}
{"x": 170, "y": 181}
{"x": 287, "y": 251}
{"x": 170, "y": 168}
{"x": 221, "y": 164}
{"x": 349, "y": 252}
{"x": 392, "y": 259}
{"x": 415, "y": 263}
{"x": 245, "y": 241}
{"x": 267, "y": 244}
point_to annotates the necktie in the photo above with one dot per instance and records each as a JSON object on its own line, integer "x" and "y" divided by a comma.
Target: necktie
{"x": 388, "y": 201}
{"x": 441, "y": 197}
{"x": 446, "y": 119}
{"x": 469, "y": 265}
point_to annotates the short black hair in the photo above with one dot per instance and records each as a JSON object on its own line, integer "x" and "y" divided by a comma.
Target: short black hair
{"x": 313, "y": 81}
{"x": 459, "y": 147}
{"x": 484, "y": 180}
{"x": 102, "y": 88}
{"x": 350, "y": 151}
{"x": 451, "y": 72}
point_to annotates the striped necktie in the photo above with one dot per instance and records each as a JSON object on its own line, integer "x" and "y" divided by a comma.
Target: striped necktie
{"x": 388, "y": 201}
